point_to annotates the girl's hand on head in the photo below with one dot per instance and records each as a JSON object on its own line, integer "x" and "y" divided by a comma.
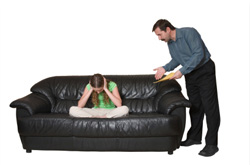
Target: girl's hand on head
{"x": 105, "y": 83}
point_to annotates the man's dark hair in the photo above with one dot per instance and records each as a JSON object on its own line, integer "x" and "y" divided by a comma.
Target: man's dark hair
{"x": 163, "y": 24}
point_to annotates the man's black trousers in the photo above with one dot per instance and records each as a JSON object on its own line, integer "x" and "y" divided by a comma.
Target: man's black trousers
{"x": 202, "y": 93}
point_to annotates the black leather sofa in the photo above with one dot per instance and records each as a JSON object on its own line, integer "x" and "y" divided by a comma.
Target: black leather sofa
{"x": 156, "y": 120}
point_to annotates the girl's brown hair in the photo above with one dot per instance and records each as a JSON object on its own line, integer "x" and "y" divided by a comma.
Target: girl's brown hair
{"x": 97, "y": 81}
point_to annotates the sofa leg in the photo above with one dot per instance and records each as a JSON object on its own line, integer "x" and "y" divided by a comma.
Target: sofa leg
{"x": 28, "y": 151}
{"x": 170, "y": 152}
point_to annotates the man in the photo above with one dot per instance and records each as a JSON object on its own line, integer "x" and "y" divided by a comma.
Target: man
{"x": 188, "y": 49}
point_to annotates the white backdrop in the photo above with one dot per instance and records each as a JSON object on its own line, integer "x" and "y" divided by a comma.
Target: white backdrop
{"x": 47, "y": 38}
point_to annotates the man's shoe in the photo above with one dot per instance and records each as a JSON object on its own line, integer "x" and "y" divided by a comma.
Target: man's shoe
{"x": 209, "y": 150}
{"x": 189, "y": 142}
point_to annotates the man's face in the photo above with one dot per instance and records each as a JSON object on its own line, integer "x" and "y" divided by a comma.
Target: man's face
{"x": 162, "y": 35}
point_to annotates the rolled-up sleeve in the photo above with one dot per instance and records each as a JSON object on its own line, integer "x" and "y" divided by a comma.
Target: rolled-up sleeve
{"x": 171, "y": 65}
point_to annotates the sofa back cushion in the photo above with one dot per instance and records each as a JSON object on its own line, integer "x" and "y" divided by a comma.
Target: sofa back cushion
{"x": 138, "y": 92}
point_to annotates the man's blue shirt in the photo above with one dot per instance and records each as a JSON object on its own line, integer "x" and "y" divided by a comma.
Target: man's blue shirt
{"x": 187, "y": 50}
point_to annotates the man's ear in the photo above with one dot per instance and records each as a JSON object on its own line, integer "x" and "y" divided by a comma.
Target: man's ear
{"x": 168, "y": 29}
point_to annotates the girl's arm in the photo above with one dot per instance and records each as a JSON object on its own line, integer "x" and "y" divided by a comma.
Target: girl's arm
{"x": 85, "y": 96}
{"x": 114, "y": 96}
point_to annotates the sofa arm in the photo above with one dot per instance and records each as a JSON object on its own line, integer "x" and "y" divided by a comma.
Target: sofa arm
{"x": 171, "y": 101}
{"x": 32, "y": 103}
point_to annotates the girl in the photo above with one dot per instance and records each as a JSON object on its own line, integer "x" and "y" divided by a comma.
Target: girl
{"x": 105, "y": 97}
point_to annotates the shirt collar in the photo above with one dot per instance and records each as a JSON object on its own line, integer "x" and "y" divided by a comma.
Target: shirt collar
{"x": 178, "y": 35}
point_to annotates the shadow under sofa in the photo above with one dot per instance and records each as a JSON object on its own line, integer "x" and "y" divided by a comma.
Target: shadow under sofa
{"x": 156, "y": 119}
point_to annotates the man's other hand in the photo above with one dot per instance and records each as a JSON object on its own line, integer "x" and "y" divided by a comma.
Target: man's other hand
{"x": 177, "y": 75}
{"x": 160, "y": 72}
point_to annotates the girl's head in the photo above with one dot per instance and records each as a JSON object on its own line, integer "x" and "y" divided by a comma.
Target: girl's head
{"x": 97, "y": 82}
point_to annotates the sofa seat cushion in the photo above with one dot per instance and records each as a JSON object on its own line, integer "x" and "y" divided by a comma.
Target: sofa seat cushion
{"x": 134, "y": 125}
{"x": 46, "y": 125}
